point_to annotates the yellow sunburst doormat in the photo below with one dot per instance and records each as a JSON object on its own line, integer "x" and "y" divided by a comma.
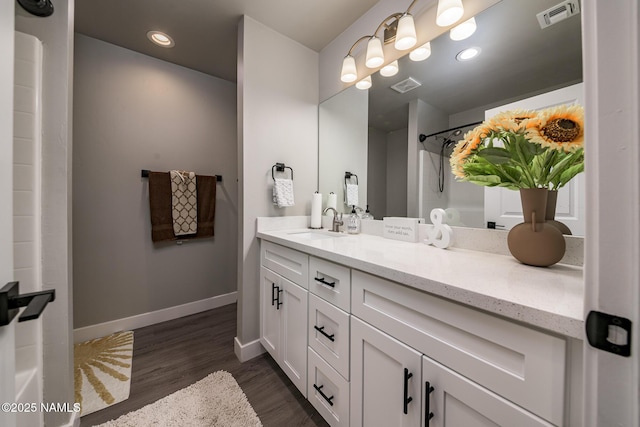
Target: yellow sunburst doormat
{"x": 102, "y": 371}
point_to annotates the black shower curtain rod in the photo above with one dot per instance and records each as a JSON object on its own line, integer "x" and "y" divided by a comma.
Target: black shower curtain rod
{"x": 450, "y": 130}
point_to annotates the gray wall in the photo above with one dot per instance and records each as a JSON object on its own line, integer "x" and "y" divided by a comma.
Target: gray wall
{"x": 277, "y": 122}
{"x": 377, "y": 177}
{"x": 135, "y": 112}
{"x": 397, "y": 173}
{"x": 56, "y": 33}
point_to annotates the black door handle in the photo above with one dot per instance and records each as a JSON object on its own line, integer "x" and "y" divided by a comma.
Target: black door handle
{"x": 321, "y": 330}
{"x": 406, "y": 399}
{"x": 319, "y": 390}
{"x": 273, "y": 293}
{"x": 324, "y": 282}
{"x": 11, "y": 301}
{"x": 427, "y": 405}
{"x": 278, "y": 303}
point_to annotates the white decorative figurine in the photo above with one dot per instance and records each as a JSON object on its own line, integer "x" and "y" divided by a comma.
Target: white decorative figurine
{"x": 441, "y": 234}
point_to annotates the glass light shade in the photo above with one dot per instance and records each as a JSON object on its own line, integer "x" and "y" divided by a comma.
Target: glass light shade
{"x": 364, "y": 83}
{"x": 406, "y": 34}
{"x": 464, "y": 30}
{"x": 389, "y": 69}
{"x": 421, "y": 53}
{"x": 349, "y": 73}
{"x": 449, "y": 12}
{"x": 375, "y": 56}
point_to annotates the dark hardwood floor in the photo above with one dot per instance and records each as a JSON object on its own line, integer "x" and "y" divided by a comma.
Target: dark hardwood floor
{"x": 172, "y": 355}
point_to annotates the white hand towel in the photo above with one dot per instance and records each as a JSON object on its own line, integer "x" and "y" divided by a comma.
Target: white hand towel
{"x": 352, "y": 194}
{"x": 184, "y": 203}
{"x": 283, "y": 192}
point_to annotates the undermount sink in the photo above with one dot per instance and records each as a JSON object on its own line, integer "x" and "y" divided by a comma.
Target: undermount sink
{"x": 315, "y": 234}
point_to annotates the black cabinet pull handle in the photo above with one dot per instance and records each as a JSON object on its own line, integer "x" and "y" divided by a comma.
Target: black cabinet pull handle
{"x": 278, "y": 303}
{"x": 273, "y": 293}
{"x": 319, "y": 390}
{"x": 324, "y": 282}
{"x": 406, "y": 399}
{"x": 427, "y": 405}
{"x": 321, "y": 330}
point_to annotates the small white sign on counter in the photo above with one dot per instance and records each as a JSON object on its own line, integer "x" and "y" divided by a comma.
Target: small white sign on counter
{"x": 400, "y": 228}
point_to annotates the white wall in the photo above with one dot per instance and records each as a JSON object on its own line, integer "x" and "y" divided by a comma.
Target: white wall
{"x": 56, "y": 34}
{"x": 136, "y": 112}
{"x": 277, "y": 122}
{"x": 343, "y": 122}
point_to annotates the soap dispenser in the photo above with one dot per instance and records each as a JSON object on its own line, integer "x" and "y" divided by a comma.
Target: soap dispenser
{"x": 367, "y": 214}
{"x": 353, "y": 222}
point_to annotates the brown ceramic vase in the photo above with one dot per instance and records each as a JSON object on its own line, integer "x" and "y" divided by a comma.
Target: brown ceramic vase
{"x": 550, "y": 217}
{"x": 535, "y": 242}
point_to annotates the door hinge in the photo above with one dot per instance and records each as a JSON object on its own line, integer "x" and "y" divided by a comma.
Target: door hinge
{"x": 609, "y": 333}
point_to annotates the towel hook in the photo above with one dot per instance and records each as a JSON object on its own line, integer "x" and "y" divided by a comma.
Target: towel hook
{"x": 280, "y": 167}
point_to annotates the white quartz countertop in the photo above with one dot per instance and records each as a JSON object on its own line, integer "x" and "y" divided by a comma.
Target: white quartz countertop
{"x": 550, "y": 298}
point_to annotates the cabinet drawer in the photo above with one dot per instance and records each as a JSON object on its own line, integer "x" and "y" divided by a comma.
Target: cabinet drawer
{"x": 334, "y": 405}
{"x": 288, "y": 263}
{"x": 331, "y": 282}
{"x": 521, "y": 364}
{"x": 329, "y": 334}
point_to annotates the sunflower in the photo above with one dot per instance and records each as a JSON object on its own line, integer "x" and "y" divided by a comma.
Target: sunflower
{"x": 465, "y": 147}
{"x": 514, "y": 121}
{"x": 561, "y": 128}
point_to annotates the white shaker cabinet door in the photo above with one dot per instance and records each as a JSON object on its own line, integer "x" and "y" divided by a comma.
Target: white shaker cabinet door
{"x": 294, "y": 333}
{"x": 269, "y": 313}
{"x": 386, "y": 379}
{"x": 455, "y": 401}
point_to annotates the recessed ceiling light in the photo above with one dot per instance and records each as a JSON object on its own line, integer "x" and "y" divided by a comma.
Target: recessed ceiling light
{"x": 468, "y": 54}
{"x": 160, "y": 38}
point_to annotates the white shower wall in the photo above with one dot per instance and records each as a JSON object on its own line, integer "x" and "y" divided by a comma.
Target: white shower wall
{"x": 26, "y": 216}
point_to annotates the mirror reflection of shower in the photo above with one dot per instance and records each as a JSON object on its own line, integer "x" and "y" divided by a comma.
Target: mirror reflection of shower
{"x": 446, "y": 147}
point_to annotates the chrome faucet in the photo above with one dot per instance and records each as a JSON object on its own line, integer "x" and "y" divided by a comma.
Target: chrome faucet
{"x": 337, "y": 222}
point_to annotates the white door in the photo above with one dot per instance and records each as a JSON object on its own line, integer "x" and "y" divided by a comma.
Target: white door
{"x": 382, "y": 368}
{"x": 611, "y": 35}
{"x": 456, "y": 401}
{"x": 7, "y": 333}
{"x": 503, "y": 206}
{"x": 269, "y": 313}
{"x": 293, "y": 333}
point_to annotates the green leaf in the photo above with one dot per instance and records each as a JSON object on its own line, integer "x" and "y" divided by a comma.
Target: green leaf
{"x": 495, "y": 155}
{"x": 569, "y": 174}
{"x": 485, "y": 180}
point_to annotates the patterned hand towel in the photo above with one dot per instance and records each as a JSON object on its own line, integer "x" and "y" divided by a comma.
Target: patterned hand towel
{"x": 184, "y": 203}
{"x": 352, "y": 194}
{"x": 283, "y": 192}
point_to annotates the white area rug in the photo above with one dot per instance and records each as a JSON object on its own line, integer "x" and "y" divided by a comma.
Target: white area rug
{"x": 216, "y": 400}
{"x": 102, "y": 371}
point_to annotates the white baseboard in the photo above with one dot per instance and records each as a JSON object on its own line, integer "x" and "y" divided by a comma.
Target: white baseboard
{"x": 151, "y": 318}
{"x": 247, "y": 351}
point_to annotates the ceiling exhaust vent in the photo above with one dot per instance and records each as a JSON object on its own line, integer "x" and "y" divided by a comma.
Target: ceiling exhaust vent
{"x": 406, "y": 85}
{"x": 558, "y": 13}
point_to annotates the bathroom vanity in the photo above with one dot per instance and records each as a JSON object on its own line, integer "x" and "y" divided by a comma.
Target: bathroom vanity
{"x": 378, "y": 332}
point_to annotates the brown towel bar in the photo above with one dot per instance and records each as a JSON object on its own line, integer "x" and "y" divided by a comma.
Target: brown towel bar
{"x": 145, "y": 174}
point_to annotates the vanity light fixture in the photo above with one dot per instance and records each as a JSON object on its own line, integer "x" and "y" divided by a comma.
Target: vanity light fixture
{"x": 390, "y": 69}
{"x": 464, "y": 30}
{"x": 160, "y": 38}
{"x": 398, "y": 28}
{"x": 421, "y": 53}
{"x": 467, "y": 54}
{"x": 364, "y": 83}
{"x": 449, "y": 12}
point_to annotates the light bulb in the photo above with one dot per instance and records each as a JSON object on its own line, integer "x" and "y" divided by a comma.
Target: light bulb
{"x": 364, "y": 83}
{"x": 349, "y": 73}
{"x": 390, "y": 69}
{"x": 464, "y": 30}
{"x": 449, "y": 12}
{"x": 406, "y": 34}
{"x": 375, "y": 55}
{"x": 161, "y": 39}
{"x": 421, "y": 53}
{"x": 468, "y": 54}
